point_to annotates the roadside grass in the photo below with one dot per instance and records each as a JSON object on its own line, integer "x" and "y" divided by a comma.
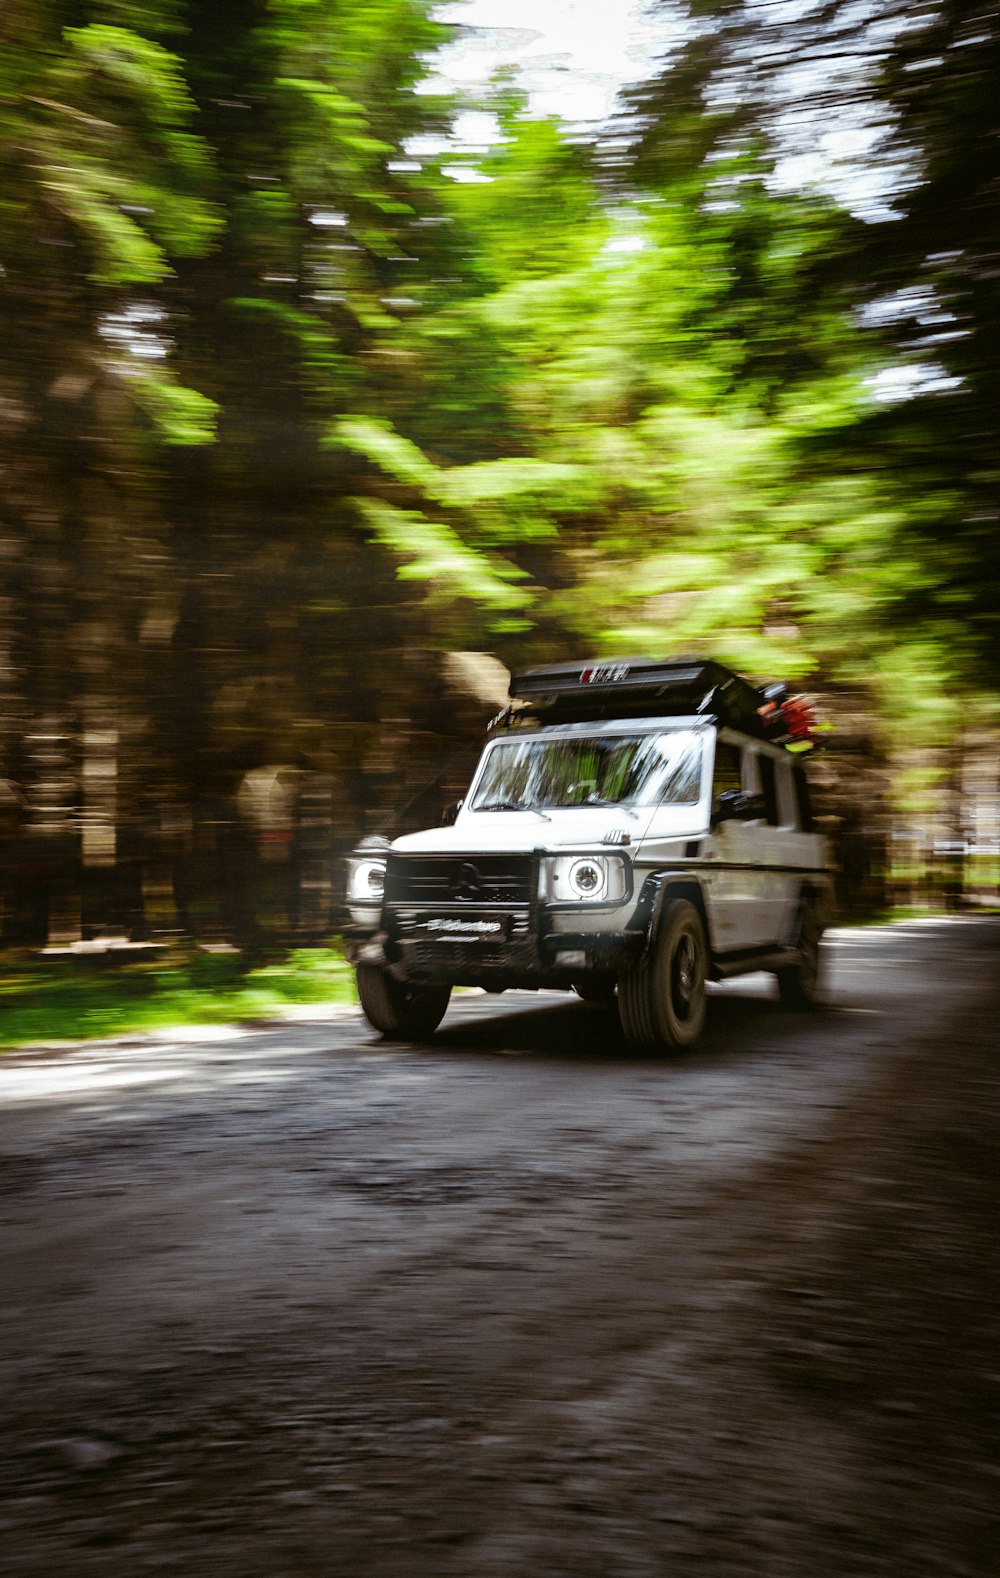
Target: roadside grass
{"x": 82, "y": 998}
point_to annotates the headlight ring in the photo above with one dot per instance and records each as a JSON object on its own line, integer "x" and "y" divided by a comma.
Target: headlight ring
{"x": 366, "y": 883}
{"x": 586, "y": 879}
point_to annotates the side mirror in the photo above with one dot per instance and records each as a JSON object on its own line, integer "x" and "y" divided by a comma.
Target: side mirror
{"x": 737, "y": 806}
{"x": 450, "y": 813}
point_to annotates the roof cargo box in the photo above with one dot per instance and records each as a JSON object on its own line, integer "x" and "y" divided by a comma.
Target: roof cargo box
{"x": 581, "y": 692}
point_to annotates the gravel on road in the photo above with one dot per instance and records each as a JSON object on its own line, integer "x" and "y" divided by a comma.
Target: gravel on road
{"x": 296, "y": 1301}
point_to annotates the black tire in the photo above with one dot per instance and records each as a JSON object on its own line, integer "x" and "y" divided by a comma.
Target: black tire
{"x": 799, "y": 985}
{"x": 399, "y": 1010}
{"x": 596, "y": 988}
{"x": 662, "y": 998}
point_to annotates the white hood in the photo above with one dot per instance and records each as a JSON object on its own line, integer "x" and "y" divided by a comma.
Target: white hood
{"x": 525, "y": 831}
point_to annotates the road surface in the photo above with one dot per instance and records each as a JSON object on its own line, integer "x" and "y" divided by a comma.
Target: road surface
{"x": 284, "y": 1302}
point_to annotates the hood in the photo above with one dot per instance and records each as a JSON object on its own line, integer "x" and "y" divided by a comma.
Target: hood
{"x": 506, "y": 831}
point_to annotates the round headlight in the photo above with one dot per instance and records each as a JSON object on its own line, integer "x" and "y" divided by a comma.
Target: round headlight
{"x": 588, "y": 877}
{"x": 368, "y": 880}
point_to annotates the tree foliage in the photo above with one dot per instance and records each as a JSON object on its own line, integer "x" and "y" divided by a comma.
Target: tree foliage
{"x": 289, "y": 412}
{"x": 913, "y": 262}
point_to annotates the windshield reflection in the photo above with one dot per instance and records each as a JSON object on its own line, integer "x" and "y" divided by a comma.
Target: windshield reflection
{"x": 627, "y": 770}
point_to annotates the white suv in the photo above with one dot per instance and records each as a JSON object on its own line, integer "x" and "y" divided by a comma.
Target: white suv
{"x": 637, "y": 827}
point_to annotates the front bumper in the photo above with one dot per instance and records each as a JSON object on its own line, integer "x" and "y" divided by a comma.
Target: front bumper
{"x": 491, "y": 950}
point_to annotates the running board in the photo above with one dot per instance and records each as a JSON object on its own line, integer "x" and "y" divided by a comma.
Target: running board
{"x": 770, "y": 959}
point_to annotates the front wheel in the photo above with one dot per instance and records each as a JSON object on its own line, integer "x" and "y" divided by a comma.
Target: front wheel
{"x": 662, "y": 998}
{"x": 400, "y": 1010}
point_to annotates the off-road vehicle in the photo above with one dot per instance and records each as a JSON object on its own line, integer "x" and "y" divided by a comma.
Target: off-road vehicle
{"x": 633, "y": 827}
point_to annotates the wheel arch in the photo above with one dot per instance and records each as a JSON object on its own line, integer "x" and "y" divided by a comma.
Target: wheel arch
{"x": 659, "y": 890}
{"x": 811, "y": 891}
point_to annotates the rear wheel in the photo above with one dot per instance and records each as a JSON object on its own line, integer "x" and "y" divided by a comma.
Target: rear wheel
{"x": 399, "y": 1009}
{"x": 799, "y": 984}
{"x": 662, "y": 998}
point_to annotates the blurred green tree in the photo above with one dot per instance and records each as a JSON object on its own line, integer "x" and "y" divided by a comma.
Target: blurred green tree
{"x": 913, "y": 88}
{"x": 290, "y": 409}
{"x": 104, "y": 185}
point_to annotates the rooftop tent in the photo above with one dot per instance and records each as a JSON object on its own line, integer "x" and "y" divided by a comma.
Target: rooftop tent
{"x": 582, "y": 692}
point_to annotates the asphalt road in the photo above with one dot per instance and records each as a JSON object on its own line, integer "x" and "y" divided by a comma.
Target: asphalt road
{"x": 294, "y": 1301}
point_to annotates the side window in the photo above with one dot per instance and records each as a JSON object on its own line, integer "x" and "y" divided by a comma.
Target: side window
{"x": 768, "y": 787}
{"x": 728, "y": 772}
{"x": 802, "y": 796}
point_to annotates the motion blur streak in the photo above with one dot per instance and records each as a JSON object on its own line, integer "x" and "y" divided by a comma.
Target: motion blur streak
{"x": 290, "y": 416}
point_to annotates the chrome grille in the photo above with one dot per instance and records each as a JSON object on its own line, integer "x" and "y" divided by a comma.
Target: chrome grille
{"x": 459, "y": 879}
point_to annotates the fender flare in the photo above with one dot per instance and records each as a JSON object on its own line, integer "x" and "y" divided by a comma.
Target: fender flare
{"x": 657, "y": 890}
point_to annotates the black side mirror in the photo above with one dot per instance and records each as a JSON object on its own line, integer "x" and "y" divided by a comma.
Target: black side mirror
{"x": 737, "y": 806}
{"x": 450, "y": 813}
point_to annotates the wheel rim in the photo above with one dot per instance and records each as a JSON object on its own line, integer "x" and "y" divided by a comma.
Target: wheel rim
{"x": 685, "y": 976}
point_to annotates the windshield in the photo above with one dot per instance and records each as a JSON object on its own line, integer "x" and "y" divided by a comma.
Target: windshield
{"x": 608, "y": 769}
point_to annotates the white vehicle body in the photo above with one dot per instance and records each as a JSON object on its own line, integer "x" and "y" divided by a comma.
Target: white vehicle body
{"x": 578, "y": 844}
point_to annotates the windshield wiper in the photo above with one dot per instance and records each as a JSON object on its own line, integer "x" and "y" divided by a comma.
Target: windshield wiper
{"x": 512, "y": 805}
{"x": 600, "y": 799}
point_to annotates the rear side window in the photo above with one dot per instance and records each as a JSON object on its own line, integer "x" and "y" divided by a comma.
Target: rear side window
{"x": 802, "y": 798}
{"x": 768, "y": 788}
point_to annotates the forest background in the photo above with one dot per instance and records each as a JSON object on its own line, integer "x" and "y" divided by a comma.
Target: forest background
{"x": 313, "y": 419}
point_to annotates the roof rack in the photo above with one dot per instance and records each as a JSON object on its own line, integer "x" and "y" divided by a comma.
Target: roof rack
{"x": 647, "y": 688}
